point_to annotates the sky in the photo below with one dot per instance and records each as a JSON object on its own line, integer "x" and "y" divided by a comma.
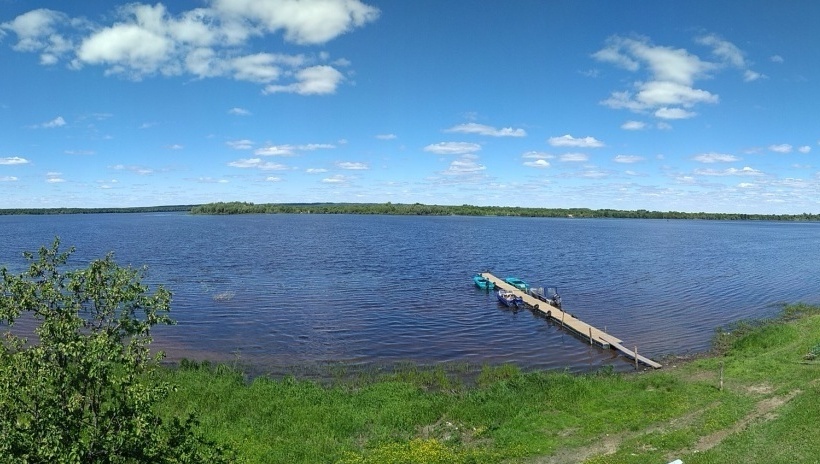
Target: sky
{"x": 695, "y": 106}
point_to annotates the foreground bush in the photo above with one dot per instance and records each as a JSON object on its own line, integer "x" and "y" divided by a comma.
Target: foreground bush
{"x": 82, "y": 390}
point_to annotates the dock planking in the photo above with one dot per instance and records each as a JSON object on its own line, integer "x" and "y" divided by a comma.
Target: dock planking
{"x": 570, "y": 322}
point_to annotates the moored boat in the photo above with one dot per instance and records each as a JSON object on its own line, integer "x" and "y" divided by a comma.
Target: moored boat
{"x": 517, "y": 283}
{"x": 509, "y": 299}
{"x": 482, "y": 283}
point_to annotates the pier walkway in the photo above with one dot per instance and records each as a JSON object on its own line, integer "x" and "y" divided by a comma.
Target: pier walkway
{"x": 568, "y": 321}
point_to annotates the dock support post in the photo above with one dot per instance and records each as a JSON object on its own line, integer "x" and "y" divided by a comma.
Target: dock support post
{"x": 590, "y": 336}
{"x": 636, "y": 357}
{"x": 562, "y": 319}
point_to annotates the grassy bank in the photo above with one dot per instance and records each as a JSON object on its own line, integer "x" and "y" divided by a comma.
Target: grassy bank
{"x": 766, "y": 410}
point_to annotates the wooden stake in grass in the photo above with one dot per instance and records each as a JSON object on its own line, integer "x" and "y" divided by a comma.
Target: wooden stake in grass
{"x": 721, "y": 376}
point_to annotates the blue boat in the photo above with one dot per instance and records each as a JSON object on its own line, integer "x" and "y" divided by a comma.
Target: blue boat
{"x": 509, "y": 299}
{"x": 518, "y": 283}
{"x": 482, "y": 283}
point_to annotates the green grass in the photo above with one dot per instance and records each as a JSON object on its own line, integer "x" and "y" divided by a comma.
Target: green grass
{"x": 500, "y": 414}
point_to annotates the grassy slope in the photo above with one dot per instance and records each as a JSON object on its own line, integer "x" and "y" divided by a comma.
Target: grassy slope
{"x": 766, "y": 411}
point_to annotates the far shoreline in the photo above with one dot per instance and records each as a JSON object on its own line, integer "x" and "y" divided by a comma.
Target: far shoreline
{"x": 415, "y": 209}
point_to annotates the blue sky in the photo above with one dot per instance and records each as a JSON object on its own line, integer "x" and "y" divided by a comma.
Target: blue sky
{"x": 659, "y": 105}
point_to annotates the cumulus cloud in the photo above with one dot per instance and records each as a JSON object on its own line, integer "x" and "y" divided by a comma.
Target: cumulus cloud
{"x": 290, "y": 150}
{"x": 628, "y": 159}
{"x": 243, "y": 144}
{"x": 386, "y": 136}
{"x": 674, "y": 113}
{"x": 315, "y": 170}
{"x": 8, "y": 179}
{"x": 633, "y": 125}
{"x": 781, "y": 148}
{"x": 56, "y": 122}
{"x": 352, "y": 166}
{"x": 776, "y": 59}
{"x": 715, "y": 158}
{"x": 573, "y": 157}
{"x": 257, "y": 163}
{"x": 746, "y": 171}
{"x": 452, "y": 148}
{"x": 12, "y": 160}
{"x": 54, "y": 177}
{"x": 239, "y": 112}
{"x": 537, "y": 159}
{"x": 570, "y": 141}
{"x": 336, "y": 179}
{"x": 668, "y": 88}
{"x": 315, "y": 80}
{"x": 481, "y": 129}
{"x": 465, "y": 165}
{"x": 142, "y": 40}
{"x": 804, "y": 149}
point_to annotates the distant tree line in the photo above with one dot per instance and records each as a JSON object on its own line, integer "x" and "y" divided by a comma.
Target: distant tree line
{"x": 418, "y": 209}
{"x": 138, "y": 209}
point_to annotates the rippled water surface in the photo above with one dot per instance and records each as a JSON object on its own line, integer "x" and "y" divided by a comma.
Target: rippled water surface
{"x": 284, "y": 290}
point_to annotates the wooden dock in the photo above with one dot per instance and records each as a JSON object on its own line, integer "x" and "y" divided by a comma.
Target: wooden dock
{"x": 569, "y": 322}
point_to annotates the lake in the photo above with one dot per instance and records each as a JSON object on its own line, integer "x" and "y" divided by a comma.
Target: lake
{"x": 276, "y": 291}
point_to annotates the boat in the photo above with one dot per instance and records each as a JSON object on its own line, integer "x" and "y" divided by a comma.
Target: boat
{"x": 509, "y": 299}
{"x": 517, "y": 283}
{"x": 482, "y": 283}
{"x": 547, "y": 294}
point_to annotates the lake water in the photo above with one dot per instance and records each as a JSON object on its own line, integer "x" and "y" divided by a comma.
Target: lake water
{"x": 311, "y": 290}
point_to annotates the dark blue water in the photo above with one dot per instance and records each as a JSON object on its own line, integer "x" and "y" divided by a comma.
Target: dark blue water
{"x": 284, "y": 290}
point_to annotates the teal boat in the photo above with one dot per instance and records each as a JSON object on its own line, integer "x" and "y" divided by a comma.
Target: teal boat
{"x": 482, "y": 283}
{"x": 518, "y": 283}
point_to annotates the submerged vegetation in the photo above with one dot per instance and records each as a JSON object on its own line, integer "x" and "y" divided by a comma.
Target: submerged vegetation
{"x": 418, "y": 209}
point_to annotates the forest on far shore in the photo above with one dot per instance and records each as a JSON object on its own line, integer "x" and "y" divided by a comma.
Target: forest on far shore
{"x": 414, "y": 209}
{"x": 418, "y": 209}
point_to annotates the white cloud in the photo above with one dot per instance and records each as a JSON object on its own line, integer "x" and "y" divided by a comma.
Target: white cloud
{"x": 776, "y": 59}
{"x": 276, "y": 150}
{"x": 56, "y": 122}
{"x": 352, "y": 166}
{"x": 175, "y": 146}
{"x": 746, "y": 171}
{"x": 257, "y": 163}
{"x": 141, "y": 40}
{"x": 141, "y": 170}
{"x": 538, "y": 163}
{"x": 674, "y": 113}
{"x": 672, "y": 73}
{"x": 715, "y": 158}
{"x": 79, "y": 152}
{"x": 13, "y": 160}
{"x": 628, "y": 159}
{"x": 633, "y": 125}
{"x": 336, "y": 179}
{"x": 272, "y": 179}
{"x": 239, "y": 112}
{"x": 465, "y": 165}
{"x": 303, "y": 22}
{"x": 8, "y": 179}
{"x": 386, "y": 136}
{"x": 481, "y": 129}
{"x": 781, "y": 148}
{"x": 243, "y": 144}
{"x": 315, "y": 170}
{"x": 573, "y": 157}
{"x": 315, "y": 80}
{"x": 570, "y": 141}
{"x": 290, "y": 150}
{"x": 54, "y": 177}
{"x": 452, "y": 148}
{"x": 804, "y": 149}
